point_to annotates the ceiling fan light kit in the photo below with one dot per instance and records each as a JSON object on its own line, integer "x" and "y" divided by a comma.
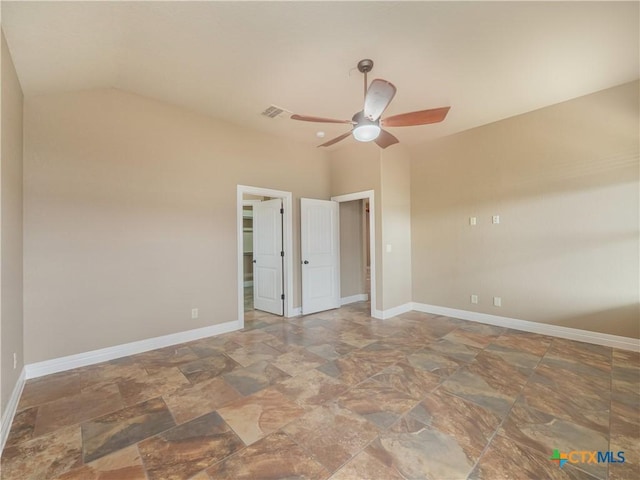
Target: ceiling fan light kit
{"x": 366, "y": 133}
{"x": 367, "y": 123}
{"x": 365, "y": 130}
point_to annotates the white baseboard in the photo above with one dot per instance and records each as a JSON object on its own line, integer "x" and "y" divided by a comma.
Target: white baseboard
{"x": 392, "y": 312}
{"x": 61, "y": 364}
{"x": 10, "y": 410}
{"x": 362, "y": 297}
{"x": 248, "y": 283}
{"x": 296, "y": 312}
{"x": 625, "y": 343}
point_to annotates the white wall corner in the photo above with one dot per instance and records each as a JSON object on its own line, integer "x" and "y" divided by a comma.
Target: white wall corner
{"x": 47, "y": 367}
{"x": 295, "y": 312}
{"x": 10, "y": 411}
{"x": 597, "y": 338}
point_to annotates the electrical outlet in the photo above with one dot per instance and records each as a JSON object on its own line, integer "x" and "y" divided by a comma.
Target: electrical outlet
{"x": 194, "y": 313}
{"x": 495, "y": 219}
{"x": 473, "y": 221}
{"x": 474, "y": 298}
{"x": 15, "y": 360}
{"x": 497, "y": 301}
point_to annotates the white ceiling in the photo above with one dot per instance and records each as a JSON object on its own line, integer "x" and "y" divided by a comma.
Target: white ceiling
{"x": 231, "y": 60}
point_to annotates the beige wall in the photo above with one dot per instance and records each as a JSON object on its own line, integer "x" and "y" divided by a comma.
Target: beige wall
{"x": 130, "y": 217}
{"x": 352, "y": 256}
{"x": 396, "y": 225}
{"x": 11, "y": 312}
{"x": 564, "y": 180}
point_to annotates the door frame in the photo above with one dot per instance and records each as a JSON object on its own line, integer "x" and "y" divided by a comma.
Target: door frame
{"x": 367, "y": 195}
{"x": 287, "y": 242}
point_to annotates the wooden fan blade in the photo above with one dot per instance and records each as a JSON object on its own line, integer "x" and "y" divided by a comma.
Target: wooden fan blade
{"x": 379, "y": 95}
{"x": 385, "y": 139}
{"x": 335, "y": 140}
{"x": 422, "y": 117}
{"x": 307, "y": 118}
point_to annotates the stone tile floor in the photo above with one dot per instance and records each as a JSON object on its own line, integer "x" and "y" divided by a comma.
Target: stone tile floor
{"x": 336, "y": 395}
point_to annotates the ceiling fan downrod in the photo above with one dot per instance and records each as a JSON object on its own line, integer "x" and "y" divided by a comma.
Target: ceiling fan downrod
{"x": 365, "y": 66}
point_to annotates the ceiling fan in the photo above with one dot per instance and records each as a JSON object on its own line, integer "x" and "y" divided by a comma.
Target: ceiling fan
{"x": 367, "y": 124}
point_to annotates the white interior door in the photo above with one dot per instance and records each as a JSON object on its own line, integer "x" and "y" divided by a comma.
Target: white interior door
{"x": 320, "y": 251}
{"x": 267, "y": 257}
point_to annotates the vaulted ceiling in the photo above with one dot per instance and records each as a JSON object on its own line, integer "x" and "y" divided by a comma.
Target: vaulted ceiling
{"x": 232, "y": 60}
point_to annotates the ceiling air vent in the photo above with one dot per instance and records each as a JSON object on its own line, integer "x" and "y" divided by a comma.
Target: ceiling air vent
{"x": 276, "y": 112}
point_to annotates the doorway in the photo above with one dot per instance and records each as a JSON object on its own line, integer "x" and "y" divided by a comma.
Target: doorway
{"x": 246, "y": 200}
{"x": 354, "y": 252}
{"x": 367, "y": 197}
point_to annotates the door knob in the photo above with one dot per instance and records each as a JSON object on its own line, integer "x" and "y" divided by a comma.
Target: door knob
{"x": 254, "y": 261}
{"x": 306, "y": 262}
